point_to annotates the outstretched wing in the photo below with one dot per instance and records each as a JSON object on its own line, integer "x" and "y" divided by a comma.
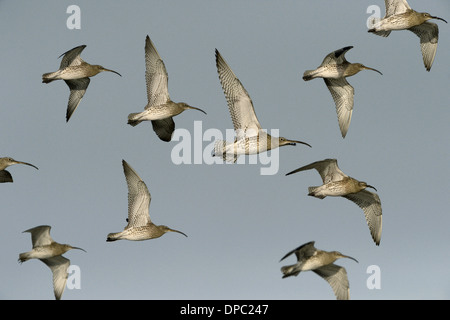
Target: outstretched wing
{"x": 77, "y": 90}
{"x": 328, "y": 170}
{"x": 5, "y": 176}
{"x": 72, "y": 57}
{"x": 239, "y": 102}
{"x": 396, "y": 7}
{"x": 337, "y": 278}
{"x": 370, "y": 203}
{"x": 58, "y": 265}
{"x": 428, "y": 32}
{"x": 40, "y": 236}
{"x": 336, "y": 57}
{"x": 302, "y": 252}
{"x": 164, "y": 128}
{"x": 138, "y": 198}
{"x": 342, "y": 93}
{"x": 156, "y": 77}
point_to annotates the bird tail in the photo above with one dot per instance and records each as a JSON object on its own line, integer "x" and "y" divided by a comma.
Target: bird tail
{"x": 289, "y": 271}
{"x": 312, "y": 191}
{"x": 24, "y": 257}
{"x": 374, "y": 24}
{"x": 221, "y": 149}
{"x": 113, "y": 237}
{"x": 49, "y": 77}
{"x": 133, "y": 119}
{"x": 379, "y": 33}
{"x": 309, "y": 75}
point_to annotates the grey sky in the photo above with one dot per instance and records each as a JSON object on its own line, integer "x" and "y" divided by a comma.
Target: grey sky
{"x": 239, "y": 223}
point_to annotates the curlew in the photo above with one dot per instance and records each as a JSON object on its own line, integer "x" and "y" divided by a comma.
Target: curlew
{"x": 400, "y": 16}
{"x": 321, "y": 263}
{"x": 76, "y": 73}
{"x": 5, "y": 162}
{"x": 250, "y": 137}
{"x": 160, "y": 109}
{"x": 338, "y": 184}
{"x": 139, "y": 226}
{"x": 50, "y": 253}
{"x": 334, "y": 70}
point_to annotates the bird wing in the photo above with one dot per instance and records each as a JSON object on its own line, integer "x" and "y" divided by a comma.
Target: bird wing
{"x": 302, "y": 252}
{"x": 138, "y": 198}
{"x": 72, "y": 57}
{"x": 428, "y": 32}
{"x": 40, "y": 236}
{"x": 396, "y": 7}
{"x": 370, "y": 203}
{"x": 58, "y": 265}
{"x": 5, "y": 176}
{"x": 336, "y": 57}
{"x": 328, "y": 170}
{"x": 337, "y": 278}
{"x": 342, "y": 93}
{"x": 77, "y": 90}
{"x": 239, "y": 102}
{"x": 156, "y": 76}
{"x": 164, "y": 128}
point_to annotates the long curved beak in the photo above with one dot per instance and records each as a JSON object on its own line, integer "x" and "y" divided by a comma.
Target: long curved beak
{"x": 344, "y": 256}
{"x": 173, "y": 230}
{"x": 26, "y": 163}
{"x": 79, "y": 249}
{"x": 294, "y": 171}
{"x": 439, "y": 19}
{"x": 294, "y": 142}
{"x": 189, "y": 107}
{"x": 369, "y": 186}
{"x": 104, "y": 69}
{"x": 367, "y": 68}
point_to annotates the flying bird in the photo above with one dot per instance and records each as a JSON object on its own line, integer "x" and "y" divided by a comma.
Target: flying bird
{"x": 338, "y": 184}
{"x": 50, "y": 253}
{"x": 250, "y": 137}
{"x": 160, "y": 109}
{"x": 400, "y": 16}
{"x": 76, "y": 73}
{"x": 139, "y": 226}
{"x": 334, "y": 70}
{"x": 321, "y": 263}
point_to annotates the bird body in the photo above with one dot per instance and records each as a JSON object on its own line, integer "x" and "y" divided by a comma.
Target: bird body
{"x": 322, "y": 263}
{"x": 76, "y": 73}
{"x": 400, "y": 16}
{"x": 250, "y": 137}
{"x": 5, "y": 162}
{"x": 158, "y": 112}
{"x": 139, "y": 226}
{"x": 160, "y": 108}
{"x": 338, "y": 184}
{"x": 334, "y": 69}
{"x": 49, "y": 252}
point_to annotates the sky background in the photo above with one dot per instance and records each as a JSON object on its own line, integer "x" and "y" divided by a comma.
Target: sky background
{"x": 239, "y": 223}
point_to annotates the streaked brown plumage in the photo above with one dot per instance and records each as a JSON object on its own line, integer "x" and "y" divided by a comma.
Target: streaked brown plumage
{"x": 139, "y": 227}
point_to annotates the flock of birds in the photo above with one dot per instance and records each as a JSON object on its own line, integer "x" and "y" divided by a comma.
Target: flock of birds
{"x": 250, "y": 139}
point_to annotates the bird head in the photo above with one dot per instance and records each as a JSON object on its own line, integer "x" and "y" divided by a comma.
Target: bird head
{"x": 286, "y": 142}
{"x": 365, "y": 185}
{"x": 7, "y": 161}
{"x": 426, "y": 16}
